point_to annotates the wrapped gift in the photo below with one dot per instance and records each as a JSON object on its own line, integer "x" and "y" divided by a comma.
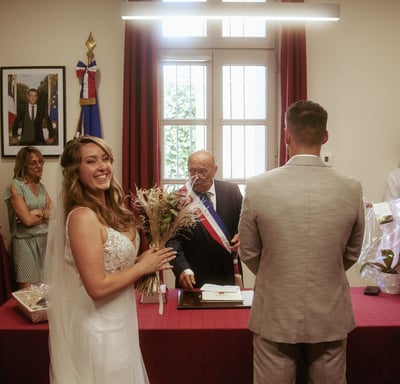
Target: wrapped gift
{"x": 380, "y": 252}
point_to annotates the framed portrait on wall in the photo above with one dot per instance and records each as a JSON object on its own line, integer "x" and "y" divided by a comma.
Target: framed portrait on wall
{"x": 32, "y": 109}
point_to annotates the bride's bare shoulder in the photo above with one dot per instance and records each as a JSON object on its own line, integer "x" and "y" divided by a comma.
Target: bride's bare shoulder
{"x": 82, "y": 213}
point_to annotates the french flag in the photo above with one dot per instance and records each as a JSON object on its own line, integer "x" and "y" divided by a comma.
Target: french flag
{"x": 12, "y": 110}
{"x": 89, "y": 119}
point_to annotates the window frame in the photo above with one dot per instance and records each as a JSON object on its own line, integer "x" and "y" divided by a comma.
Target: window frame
{"x": 206, "y": 50}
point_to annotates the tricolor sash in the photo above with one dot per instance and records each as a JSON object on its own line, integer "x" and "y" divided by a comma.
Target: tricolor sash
{"x": 210, "y": 219}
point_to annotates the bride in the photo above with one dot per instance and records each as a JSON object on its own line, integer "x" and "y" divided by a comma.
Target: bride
{"x": 91, "y": 266}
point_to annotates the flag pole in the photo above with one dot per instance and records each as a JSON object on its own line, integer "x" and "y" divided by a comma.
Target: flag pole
{"x": 90, "y": 44}
{"x": 89, "y": 120}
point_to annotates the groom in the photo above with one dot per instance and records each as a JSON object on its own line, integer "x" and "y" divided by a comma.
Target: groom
{"x": 301, "y": 228}
{"x": 207, "y": 254}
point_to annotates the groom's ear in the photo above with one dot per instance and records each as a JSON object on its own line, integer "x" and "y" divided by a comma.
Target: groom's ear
{"x": 326, "y": 137}
{"x": 287, "y": 135}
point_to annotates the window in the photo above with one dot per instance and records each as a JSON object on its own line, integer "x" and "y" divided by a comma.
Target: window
{"x": 217, "y": 91}
{"x": 185, "y": 124}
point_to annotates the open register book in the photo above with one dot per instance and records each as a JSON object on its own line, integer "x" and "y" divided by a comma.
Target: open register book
{"x": 221, "y": 293}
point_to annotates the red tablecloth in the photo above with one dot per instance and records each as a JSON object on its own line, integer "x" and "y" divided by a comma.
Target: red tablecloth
{"x": 209, "y": 345}
{"x": 382, "y": 310}
{"x": 373, "y": 351}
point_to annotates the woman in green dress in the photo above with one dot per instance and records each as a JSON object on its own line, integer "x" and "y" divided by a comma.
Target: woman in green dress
{"x": 28, "y": 205}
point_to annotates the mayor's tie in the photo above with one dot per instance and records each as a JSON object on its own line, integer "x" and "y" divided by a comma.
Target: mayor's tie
{"x": 32, "y": 112}
{"x": 205, "y": 197}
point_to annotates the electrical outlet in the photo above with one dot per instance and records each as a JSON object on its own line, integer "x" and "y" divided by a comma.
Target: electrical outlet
{"x": 327, "y": 158}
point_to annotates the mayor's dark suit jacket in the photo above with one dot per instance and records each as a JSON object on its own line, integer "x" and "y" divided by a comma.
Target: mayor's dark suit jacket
{"x": 32, "y": 132}
{"x": 196, "y": 250}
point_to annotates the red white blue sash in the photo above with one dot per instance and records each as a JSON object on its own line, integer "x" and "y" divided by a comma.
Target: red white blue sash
{"x": 210, "y": 220}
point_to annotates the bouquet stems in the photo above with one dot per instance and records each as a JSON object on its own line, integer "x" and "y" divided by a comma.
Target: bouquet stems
{"x": 149, "y": 284}
{"x": 152, "y": 285}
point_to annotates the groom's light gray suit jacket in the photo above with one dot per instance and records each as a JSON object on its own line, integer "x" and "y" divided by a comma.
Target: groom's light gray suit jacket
{"x": 301, "y": 227}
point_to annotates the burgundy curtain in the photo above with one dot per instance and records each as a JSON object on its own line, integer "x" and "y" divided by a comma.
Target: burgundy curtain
{"x": 293, "y": 70}
{"x": 140, "y": 136}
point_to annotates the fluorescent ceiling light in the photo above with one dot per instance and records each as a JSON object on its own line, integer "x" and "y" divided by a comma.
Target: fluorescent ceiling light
{"x": 149, "y": 10}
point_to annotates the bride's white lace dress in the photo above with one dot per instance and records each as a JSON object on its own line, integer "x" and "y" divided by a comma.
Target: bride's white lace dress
{"x": 102, "y": 342}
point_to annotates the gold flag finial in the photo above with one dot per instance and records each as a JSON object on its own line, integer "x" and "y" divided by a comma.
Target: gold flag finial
{"x": 90, "y": 44}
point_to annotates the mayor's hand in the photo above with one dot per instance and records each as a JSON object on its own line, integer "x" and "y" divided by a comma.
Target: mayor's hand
{"x": 187, "y": 280}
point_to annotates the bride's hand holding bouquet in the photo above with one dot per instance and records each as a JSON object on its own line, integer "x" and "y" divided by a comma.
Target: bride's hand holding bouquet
{"x": 154, "y": 259}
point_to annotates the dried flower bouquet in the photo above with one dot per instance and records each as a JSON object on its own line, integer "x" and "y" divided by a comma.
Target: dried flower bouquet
{"x": 161, "y": 215}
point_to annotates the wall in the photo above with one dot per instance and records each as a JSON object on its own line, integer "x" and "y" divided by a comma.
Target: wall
{"x": 353, "y": 71}
{"x": 58, "y": 30}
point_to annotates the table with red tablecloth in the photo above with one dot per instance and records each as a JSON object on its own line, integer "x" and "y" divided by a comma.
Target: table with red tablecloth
{"x": 208, "y": 345}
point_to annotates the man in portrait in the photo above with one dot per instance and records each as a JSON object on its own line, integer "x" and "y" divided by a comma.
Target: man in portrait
{"x": 30, "y": 123}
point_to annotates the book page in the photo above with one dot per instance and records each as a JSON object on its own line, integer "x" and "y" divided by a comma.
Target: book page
{"x": 222, "y": 296}
{"x": 220, "y": 288}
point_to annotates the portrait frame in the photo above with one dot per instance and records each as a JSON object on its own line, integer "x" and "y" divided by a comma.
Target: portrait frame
{"x": 47, "y": 130}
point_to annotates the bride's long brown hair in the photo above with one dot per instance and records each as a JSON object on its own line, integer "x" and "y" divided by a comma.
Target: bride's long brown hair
{"x": 115, "y": 214}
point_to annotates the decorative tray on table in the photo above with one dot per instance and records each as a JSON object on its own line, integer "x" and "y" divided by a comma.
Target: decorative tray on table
{"x": 32, "y": 302}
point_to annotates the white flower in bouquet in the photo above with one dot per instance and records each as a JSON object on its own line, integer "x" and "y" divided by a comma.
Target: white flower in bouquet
{"x": 161, "y": 215}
